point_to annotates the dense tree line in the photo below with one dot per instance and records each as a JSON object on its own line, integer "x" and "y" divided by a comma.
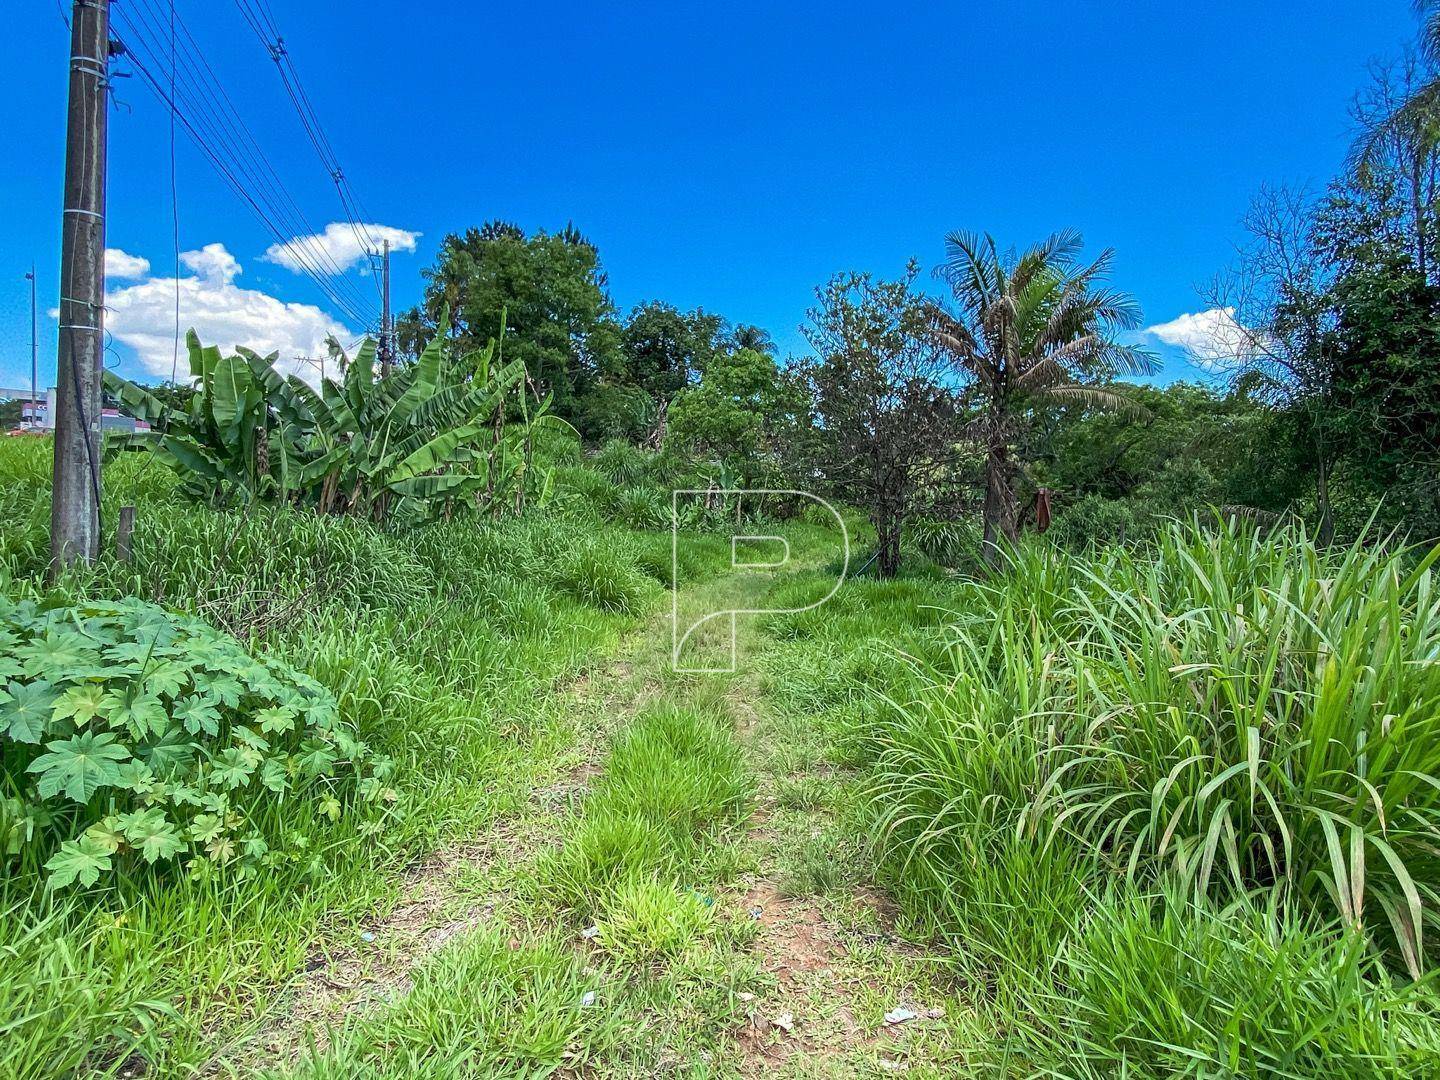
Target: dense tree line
{"x": 1012, "y": 377}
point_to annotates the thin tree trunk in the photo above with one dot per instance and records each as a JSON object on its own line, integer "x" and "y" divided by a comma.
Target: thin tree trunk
{"x": 1000, "y": 511}
{"x": 887, "y": 532}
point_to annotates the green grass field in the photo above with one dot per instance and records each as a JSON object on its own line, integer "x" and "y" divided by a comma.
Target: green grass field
{"x": 1164, "y": 810}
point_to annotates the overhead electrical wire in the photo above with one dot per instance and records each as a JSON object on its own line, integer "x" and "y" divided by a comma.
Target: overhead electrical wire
{"x": 215, "y": 106}
{"x": 174, "y": 208}
{"x": 201, "y": 97}
{"x": 258, "y": 16}
{"x": 201, "y": 105}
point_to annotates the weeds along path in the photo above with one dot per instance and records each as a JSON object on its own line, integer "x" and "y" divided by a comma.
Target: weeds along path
{"x": 376, "y": 966}
{"x": 676, "y": 898}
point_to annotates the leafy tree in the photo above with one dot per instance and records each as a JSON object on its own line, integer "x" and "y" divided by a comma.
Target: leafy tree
{"x": 738, "y": 414}
{"x": 886, "y": 422}
{"x": 664, "y": 349}
{"x": 1229, "y": 436}
{"x": 615, "y": 409}
{"x": 550, "y": 290}
{"x": 1028, "y": 333}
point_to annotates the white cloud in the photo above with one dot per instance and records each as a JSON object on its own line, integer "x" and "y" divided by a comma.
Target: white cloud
{"x": 122, "y": 266}
{"x": 1212, "y": 338}
{"x": 340, "y": 247}
{"x": 142, "y": 316}
{"x": 211, "y": 263}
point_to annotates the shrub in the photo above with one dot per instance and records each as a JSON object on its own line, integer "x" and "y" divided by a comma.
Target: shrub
{"x": 132, "y": 735}
{"x": 602, "y": 575}
{"x": 1094, "y": 519}
{"x": 647, "y": 919}
{"x": 584, "y": 491}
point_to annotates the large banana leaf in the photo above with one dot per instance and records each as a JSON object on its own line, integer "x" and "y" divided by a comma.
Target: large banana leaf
{"x": 277, "y": 390}
{"x": 200, "y": 357}
{"x": 467, "y": 402}
{"x": 426, "y": 377}
{"x": 436, "y": 486}
{"x": 136, "y": 400}
{"x": 436, "y": 453}
{"x": 195, "y": 459}
{"x": 318, "y": 468}
{"x": 360, "y": 377}
{"x": 228, "y": 391}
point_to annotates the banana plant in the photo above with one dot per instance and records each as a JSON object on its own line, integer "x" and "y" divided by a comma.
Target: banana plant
{"x": 241, "y": 437}
{"x": 411, "y": 444}
{"x": 408, "y": 440}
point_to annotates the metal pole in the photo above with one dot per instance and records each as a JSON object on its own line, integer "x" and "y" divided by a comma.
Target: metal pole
{"x": 34, "y": 351}
{"x": 387, "y": 340}
{"x": 75, "y": 498}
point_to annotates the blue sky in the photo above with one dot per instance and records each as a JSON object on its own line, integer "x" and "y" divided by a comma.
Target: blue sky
{"x": 725, "y": 156}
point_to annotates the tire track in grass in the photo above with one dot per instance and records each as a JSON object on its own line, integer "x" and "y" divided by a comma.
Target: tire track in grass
{"x": 850, "y": 996}
{"x": 376, "y": 966}
{"x": 507, "y": 910}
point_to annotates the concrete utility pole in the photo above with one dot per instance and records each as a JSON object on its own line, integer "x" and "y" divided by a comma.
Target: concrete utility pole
{"x": 75, "y": 498}
{"x": 387, "y": 338}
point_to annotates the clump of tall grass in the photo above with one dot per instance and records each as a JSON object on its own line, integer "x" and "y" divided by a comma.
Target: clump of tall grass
{"x": 1177, "y": 808}
{"x": 1230, "y": 713}
{"x": 642, "y": 507}
{"x": 1164, "y": 987}
{"x": 675, "y": 775}
{"x": 622, "y": 462}
{"x": 603, "y": 575}
{"x": 949, "y": 543}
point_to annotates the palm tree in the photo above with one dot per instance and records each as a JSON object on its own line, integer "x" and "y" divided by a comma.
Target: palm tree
{"x": 1030, "y": 332}
{"x": 1406, "y": 137}
{"x": 746, "y": 336}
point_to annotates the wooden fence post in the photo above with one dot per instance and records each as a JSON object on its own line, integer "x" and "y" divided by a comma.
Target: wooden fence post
{"x": 123, "y": 533}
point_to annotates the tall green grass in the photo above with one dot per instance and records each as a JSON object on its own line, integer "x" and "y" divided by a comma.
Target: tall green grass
{"x": 1232, "y": 713}
{"x": 1129, "y": 787}
{"x": 675, "y": 776}
{"x": 442, "y": 646}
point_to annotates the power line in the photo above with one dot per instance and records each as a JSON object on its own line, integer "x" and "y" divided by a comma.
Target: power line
{"x": 174, "y": 207}
{"x": 258, "y": 16}
{"x": 213, "y": 112}
{"x": 200, "y": 103}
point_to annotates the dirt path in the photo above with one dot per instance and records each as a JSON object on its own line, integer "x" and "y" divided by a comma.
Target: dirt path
{"x": 438, "y": 900}
{"x": 850, "y": 997}
{"x": 803, "y": 974}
